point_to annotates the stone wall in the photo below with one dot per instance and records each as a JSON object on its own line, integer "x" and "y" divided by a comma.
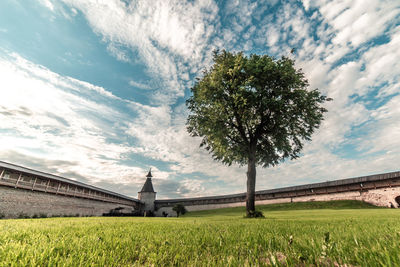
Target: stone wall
{"x": 384, "y": 197}
{"x": 167, "y": 210}
{"x": 379, "y": 190}
{"x": 14, "y": 202}
{"x": 20, "y": 177}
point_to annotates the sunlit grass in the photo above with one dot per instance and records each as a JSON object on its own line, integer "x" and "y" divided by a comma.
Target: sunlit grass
{"x": 294, "y": 234}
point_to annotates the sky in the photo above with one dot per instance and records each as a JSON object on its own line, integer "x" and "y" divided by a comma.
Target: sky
{"x": 95, "y": 90}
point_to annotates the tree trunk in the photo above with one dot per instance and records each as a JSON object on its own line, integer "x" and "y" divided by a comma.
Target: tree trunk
{"x": 251, "y": 186}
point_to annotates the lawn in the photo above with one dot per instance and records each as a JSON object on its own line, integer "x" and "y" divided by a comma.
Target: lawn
{"x": 340, "y": 233}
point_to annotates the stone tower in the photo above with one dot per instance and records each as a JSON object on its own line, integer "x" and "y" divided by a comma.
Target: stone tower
{"x": 147, "y": 194}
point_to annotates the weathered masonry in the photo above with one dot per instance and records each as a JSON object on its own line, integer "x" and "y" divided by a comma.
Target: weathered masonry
{"x": 29, "y": 192}
{"x": 379, "y": 190}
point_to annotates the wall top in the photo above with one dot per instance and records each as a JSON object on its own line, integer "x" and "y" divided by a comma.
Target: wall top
{"x": 28, "y": 171}
{"x": 348, "y": 181}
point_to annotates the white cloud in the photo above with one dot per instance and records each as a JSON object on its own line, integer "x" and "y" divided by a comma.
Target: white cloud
{"x": 273, "y": 36}
{"x": 359, "y": 23}
{"x": 165, "y": 34}
{"x": 47, "y": 3}
{"x": 118, "y": 53}
{"x": 382, "y": 65}
{"x": 384, "y": 134}
{"x": 139, "y": 85}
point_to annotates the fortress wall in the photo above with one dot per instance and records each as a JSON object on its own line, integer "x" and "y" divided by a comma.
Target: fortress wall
{"x": 384, "y": 197}
{"x": 20, "y": 177}
{"x": 352, "y": 195}
{"x": 325, "y": 197}
{"x": 31, "y": 192}
{"x": 379, "y": 190}
{"x": 14, "y": 201}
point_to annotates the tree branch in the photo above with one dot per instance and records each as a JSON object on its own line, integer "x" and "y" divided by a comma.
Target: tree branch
{"x": 240, "y": 126}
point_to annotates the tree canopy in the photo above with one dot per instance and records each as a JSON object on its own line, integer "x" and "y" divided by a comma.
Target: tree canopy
{"x": 254, "y": 110}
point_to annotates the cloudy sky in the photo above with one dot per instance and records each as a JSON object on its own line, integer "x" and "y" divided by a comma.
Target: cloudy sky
{"x": 95, "y": 90}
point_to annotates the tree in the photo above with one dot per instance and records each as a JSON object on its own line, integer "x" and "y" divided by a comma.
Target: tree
{"x": 179, "y": 209}
{"x": 253, "y": 110}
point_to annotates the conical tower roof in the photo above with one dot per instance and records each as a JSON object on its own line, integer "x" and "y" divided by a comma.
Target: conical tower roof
{"x": 148, "y": 185}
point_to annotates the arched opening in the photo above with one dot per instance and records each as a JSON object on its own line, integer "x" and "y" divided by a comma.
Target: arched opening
{"x": 397, "y": 199}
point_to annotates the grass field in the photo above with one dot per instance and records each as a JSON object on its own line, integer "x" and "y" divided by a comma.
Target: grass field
{"x": 343, "y": 233}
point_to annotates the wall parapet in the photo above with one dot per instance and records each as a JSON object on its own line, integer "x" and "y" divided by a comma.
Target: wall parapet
{"x": 359, "y": 184}
{"x": 24, "y": 178}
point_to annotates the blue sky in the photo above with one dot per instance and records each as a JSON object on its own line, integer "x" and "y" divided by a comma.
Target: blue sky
{"x": 96, "y": 90}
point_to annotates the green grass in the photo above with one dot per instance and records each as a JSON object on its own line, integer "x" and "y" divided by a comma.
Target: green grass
{"x": 342, "y": 204}
{"x": 295, "y": 234}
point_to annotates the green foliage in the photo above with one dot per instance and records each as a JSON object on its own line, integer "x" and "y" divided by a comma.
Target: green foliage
{"x": 300, "y": 236}
{"x": 179, "y": 209}
{"x": 257, "y": 104}
{"x": 2, "y": 215}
